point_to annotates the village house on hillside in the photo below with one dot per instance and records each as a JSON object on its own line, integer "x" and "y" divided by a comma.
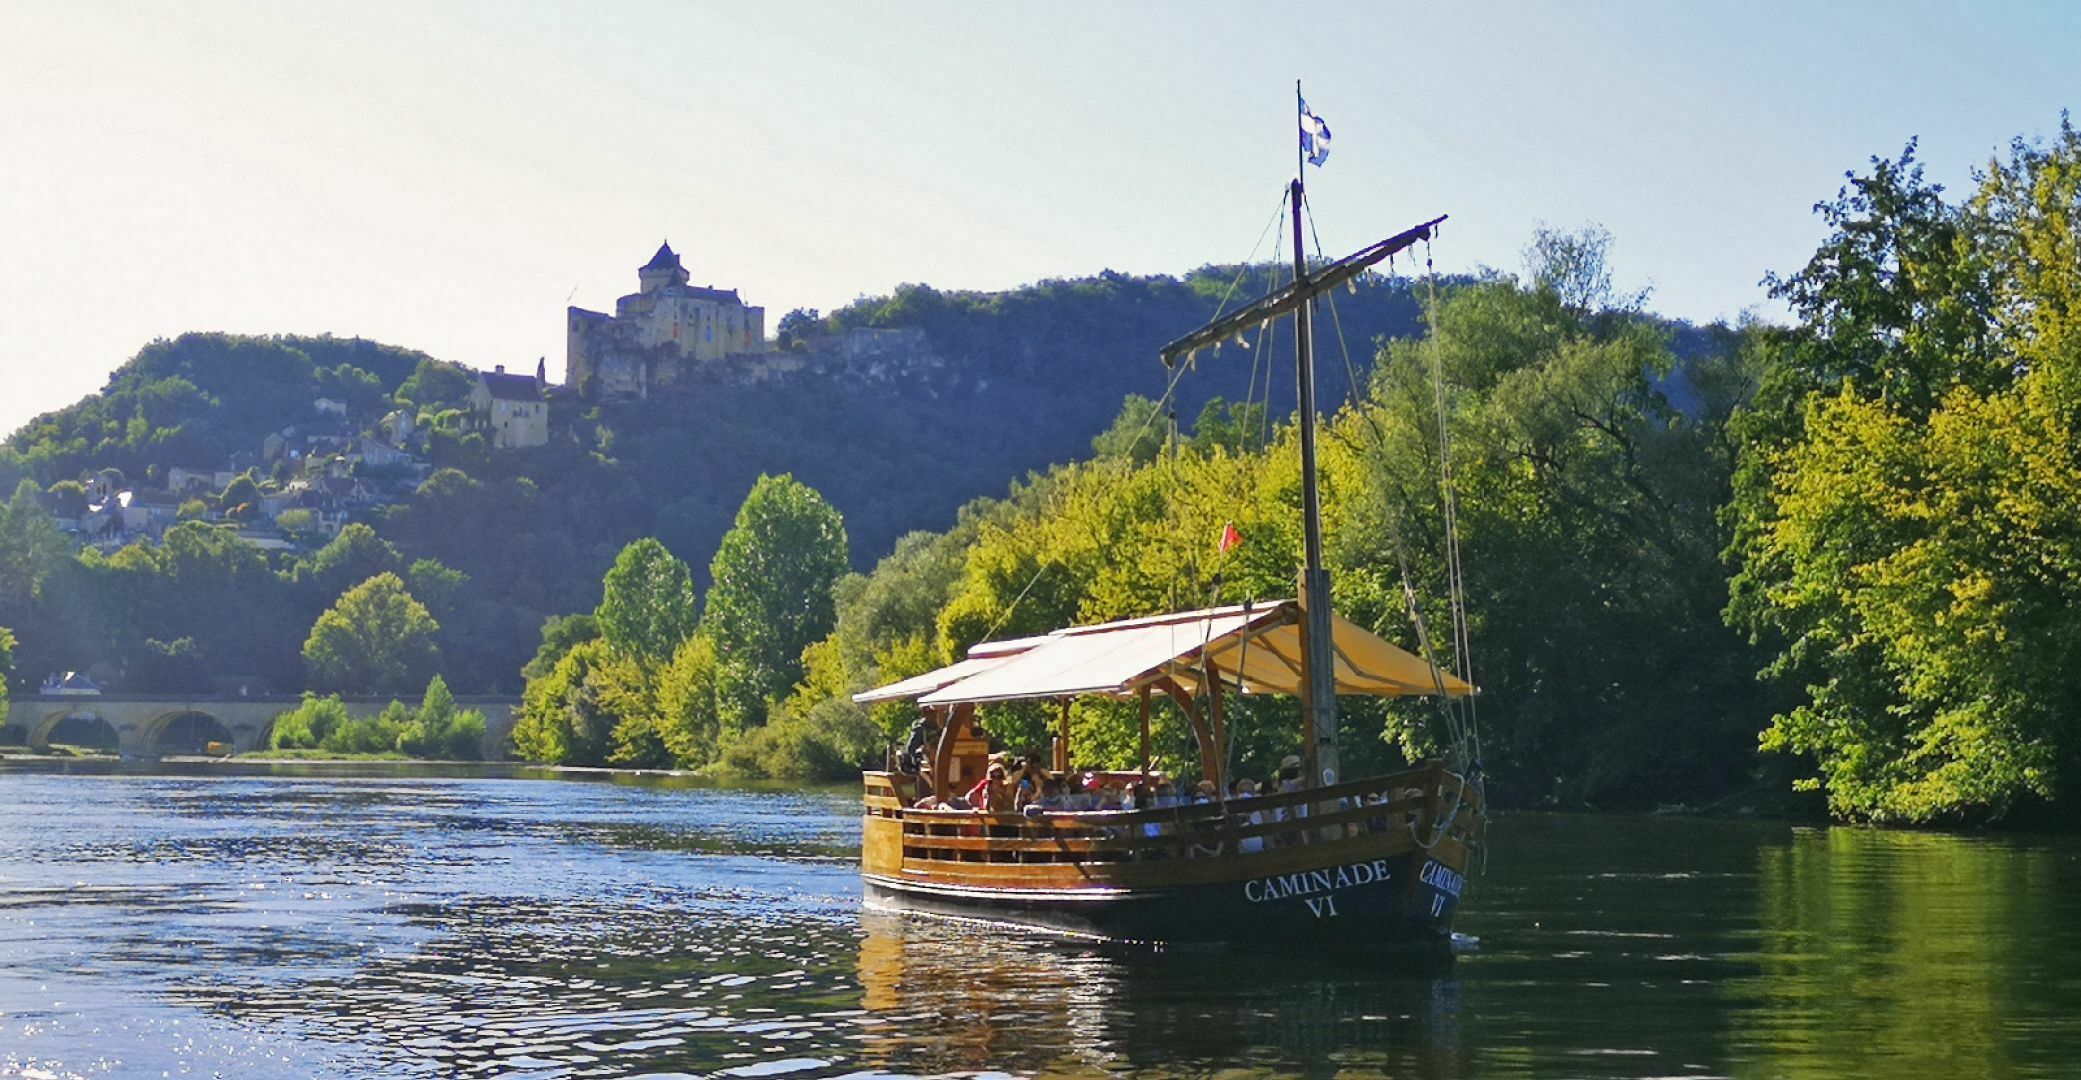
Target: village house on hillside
{"x": 658, "y": 333}
{"x": 509, "y": 409}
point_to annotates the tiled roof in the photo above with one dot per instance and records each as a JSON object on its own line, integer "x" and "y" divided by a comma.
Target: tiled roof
{"x": 505, "y": 386}
{"x": 665, "y": 259}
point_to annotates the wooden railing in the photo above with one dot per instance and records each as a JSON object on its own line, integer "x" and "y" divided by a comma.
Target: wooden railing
{"x": 1418, "y": 801}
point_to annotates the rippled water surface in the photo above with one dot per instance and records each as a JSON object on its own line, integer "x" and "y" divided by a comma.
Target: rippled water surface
{"x": 295, "y": 926}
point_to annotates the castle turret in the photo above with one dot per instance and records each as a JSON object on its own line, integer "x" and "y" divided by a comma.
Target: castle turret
{"x": 663, "y": 269}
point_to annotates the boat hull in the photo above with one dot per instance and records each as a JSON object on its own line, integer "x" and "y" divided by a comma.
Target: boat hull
{"x": 1401, "y": 901}
{"x": 1362, "y": 899}
{"x": 1373, "y": 863}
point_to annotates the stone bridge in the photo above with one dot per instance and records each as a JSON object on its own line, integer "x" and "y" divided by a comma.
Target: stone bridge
{"x": 149, "y": 726}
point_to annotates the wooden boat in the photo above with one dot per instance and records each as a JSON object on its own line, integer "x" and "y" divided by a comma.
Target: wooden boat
{"x": 1340, "y": 862}
{"x": 1374, "y": 861}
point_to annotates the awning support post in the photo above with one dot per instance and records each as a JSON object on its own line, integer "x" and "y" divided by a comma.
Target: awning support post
{"x": 1145, "y": 732}
{"x": 1209, "y": 750}
{"x": 1062, "y": 739}
{"x": 1217, "y": 715}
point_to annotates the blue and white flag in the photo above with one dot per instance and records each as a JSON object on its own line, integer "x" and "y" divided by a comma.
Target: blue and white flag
{"x": 1315, "y": 136}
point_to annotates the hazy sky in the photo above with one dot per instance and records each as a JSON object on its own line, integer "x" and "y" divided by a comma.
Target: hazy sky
{"x": 447, "y": 176}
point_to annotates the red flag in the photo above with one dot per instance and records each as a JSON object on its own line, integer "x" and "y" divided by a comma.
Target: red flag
{"x": 1230, "y": 538}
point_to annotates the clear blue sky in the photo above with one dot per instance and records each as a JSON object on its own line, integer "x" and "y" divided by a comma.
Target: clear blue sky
{"x": 446, "y": 176}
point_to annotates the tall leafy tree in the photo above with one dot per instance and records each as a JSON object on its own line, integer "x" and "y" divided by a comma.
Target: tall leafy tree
{"x": 647, "y": 606}
{"x": 564, "y": 716}
{"x": 771, "y": 598}
{"x": 1908, "y": 508}
{"x": 686, "y": 704}
{"x": 375, "y": 639}
{"x": 560, "y": 634}
{"x": 355, "y": 555}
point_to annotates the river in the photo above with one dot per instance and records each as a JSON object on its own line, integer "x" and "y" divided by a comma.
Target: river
{"x": 299, "y": 922}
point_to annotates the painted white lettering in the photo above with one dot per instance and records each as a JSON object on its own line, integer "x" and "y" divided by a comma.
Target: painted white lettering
{"x": 1442, "y": 878}
{"x": 1305, "y": 883}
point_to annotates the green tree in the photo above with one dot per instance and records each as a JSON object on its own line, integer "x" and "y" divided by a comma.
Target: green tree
{"x": 439, "y": 585}
{"x": 378, "y": 734}
{"x": 307, "y": 726}
{"x": 32, "y": 549}
{"x": 687, "y": 723}
{"x": 648, "y": 604}
{"x": 771, "y": 598}
{"x": 560, "y": 634}
{"x": 1588, "y": 510}
{"x": 1910, "y": 494}
{"x": 240, "y": 496}
{"x": 355, "y": 555}
{"x": 830, "y": 742}
{"x": 1135, "y": 435}
{"x": 435, "y": 383}
{"x": 375, "y": 639}
{"x": 564, "y": 717}
{"x": 437, "y": 709}
{"x": 441, "y": 730}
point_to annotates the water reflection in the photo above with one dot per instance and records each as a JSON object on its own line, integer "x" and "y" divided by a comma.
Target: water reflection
{"x": 405, "y": 926}
{"x": 1920, "y": 953}
{"x": 964, "y": 997}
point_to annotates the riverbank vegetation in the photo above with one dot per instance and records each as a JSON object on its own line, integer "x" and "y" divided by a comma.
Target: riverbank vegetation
{"x": 1848, "y": 542}
{"x": 651, "y": 680}
{"x": 438, "y": 729}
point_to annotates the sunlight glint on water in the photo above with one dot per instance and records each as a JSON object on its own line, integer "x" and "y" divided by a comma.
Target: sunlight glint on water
{"x": 398, "y": 927}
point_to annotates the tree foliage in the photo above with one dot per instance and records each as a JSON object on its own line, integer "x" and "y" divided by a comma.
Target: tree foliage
{"x": 648, "y": 606}
{"x": 564, "y": 715}
{"x": 1910, "y": 496}
{"x": 773, "y": 575}
{"x": 375, "y": 639}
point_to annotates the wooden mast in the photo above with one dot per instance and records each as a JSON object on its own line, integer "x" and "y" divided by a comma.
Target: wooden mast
{"x": 1318, "y": 684}
{"x": 1318, "y": 680}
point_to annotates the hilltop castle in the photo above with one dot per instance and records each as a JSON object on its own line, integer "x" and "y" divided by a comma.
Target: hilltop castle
{"x": 659, "y": 333}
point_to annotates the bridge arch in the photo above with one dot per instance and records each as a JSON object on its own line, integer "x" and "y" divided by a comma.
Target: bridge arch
{"x": 184, "y": 731}
{"x": 80, "y": 726}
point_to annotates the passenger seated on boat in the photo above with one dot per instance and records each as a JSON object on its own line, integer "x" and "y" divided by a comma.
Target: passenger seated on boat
{"x": 1053, "y": 795}
{"x": 1205, "y": 792}
{"x": 1247, "y": 789}
{"x": 1026, "y": 788}
{"x": 994, "y": 792}
{"x": 1286, "y": 781}
{"x": 1111, "y": 796}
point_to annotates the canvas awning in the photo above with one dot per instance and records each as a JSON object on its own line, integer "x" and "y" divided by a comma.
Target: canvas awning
{"x": 982, "y": 658}
{"x": 1256, "y": 648}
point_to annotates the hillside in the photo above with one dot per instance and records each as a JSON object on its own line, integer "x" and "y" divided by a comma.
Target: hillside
{"x": 905, "y": 408}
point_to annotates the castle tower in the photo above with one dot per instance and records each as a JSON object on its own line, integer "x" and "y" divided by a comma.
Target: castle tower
{"x": 658, "y": 333}
{"x": 663, "y": 269}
